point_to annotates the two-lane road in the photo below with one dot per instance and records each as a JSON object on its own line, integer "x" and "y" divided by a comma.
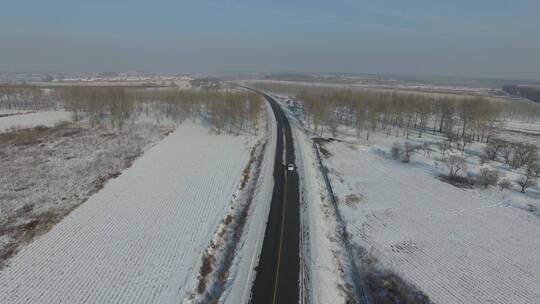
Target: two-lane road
{"x": 279, "y": 264}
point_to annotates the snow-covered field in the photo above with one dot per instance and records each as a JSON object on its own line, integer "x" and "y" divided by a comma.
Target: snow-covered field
{"x": 294, "y": 87}
{"x": 23, "y": 121}
{"x": 529, "y": 127}
{"x": 47, "y": 172}
{"x": 140, "y": 239}
{"x": 518, "y": 131}
{"x": 456, "y": 245}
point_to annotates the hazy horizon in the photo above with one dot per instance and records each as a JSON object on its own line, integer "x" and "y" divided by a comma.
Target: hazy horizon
{"x": 484, "y": 39}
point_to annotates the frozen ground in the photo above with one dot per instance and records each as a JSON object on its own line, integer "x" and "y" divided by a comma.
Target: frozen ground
{"x": 456, "y": 245}
{"x": 139, "y": 239}
{"x": 23, "y": 121}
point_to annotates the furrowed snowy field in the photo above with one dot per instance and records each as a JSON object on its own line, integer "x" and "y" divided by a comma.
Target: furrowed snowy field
{"x": 47, "y": 172}
{"x": 31, "y": 120}
{"x": 456, "y": 245}
{"x": 139, "y": 239}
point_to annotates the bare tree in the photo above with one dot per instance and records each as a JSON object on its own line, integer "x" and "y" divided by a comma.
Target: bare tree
{"x": 523, "y": 154}
{"x": 492, "y": 149}
{"x": 488, "y": 176}
{"x": 426, "y": 147}
{"x": 396, "y": 150}
{"x": 506, "y": 151}
{"x": 408, "y": 150}
{"x": 444, "y": 146}
{"x": 455, "y": 162}
{"x": 529, "y": 177}
{"x": 505, "y": 184}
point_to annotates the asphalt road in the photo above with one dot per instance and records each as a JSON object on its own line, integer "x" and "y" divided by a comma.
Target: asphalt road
{"x": 279, "y": 264}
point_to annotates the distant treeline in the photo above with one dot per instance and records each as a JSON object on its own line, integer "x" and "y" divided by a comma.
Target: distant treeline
{"x": 26, "y": 97}
{"x": 465, "y": 118}
{"x": 117, "y": 106}
{"x": 532, "y": 93}
{"x": 232, "y": 112}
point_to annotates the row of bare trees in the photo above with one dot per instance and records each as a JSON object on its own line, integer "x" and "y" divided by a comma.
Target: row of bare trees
{"x": 26, "y": 97}
{"x": 234, "y": 111}
{"x": 514, "y": 154}
{"x": 100, "y": 105}
{"x": 517, "y": 155}
{"x": 400, "y": 114}
{"x": 523, "y": 157}
{"x": 226, "y": 111}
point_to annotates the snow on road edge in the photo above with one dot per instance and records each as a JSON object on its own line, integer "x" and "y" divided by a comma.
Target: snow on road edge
{"x": 242, "y": 272}
{"x": 221, "y": 264}
{"x": 322, "y": 251}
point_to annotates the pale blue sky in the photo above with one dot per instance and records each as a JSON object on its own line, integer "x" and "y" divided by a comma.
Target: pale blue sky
{"x": 480, "y": 38}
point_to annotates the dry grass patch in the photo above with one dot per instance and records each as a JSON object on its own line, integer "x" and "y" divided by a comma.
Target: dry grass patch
{"x": 384, "y": 286}
{"x": 321, "y": 145}
{"x": 47, "y": 172}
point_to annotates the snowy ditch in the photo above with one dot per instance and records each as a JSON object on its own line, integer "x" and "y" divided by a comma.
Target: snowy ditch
{"x": 227, "y": 265}
{"x": 356, "y": 287}
{"x": 326, "y": 268}
{"x": 369, "y": 282}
